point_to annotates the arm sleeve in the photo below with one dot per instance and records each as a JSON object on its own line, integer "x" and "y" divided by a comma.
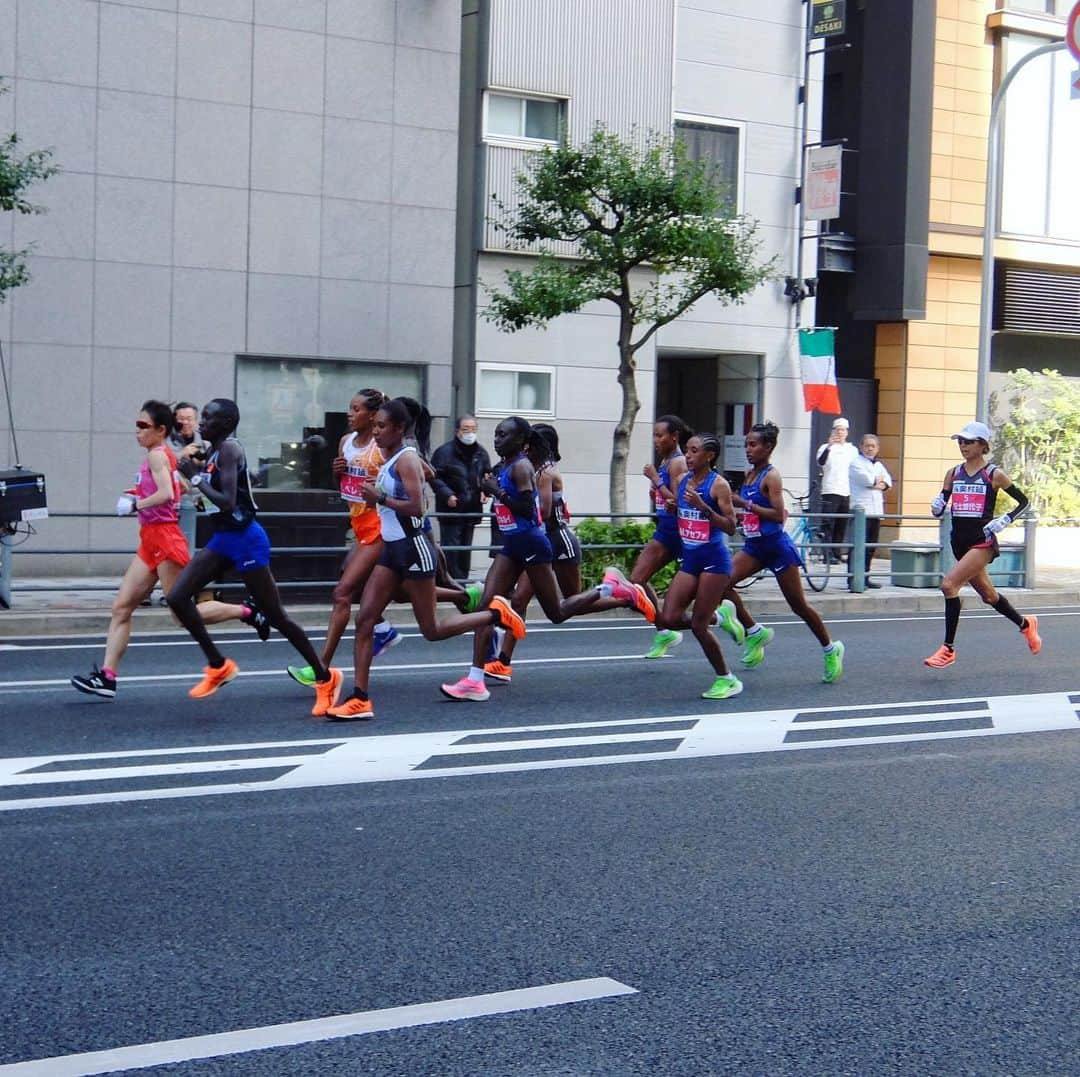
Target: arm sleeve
{"x": 1021, "y": 500}
{"x": 823, "y": 455}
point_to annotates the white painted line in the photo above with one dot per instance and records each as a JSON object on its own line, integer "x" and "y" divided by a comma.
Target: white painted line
{"x": 167, "y": 1052}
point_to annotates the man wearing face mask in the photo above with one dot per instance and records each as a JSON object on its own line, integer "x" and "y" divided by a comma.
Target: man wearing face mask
{"x": 459, "y": 466}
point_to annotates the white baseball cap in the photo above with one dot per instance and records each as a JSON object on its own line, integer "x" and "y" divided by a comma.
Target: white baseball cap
{"x": 841, "y": 422}
{"x": 974, "y": 432}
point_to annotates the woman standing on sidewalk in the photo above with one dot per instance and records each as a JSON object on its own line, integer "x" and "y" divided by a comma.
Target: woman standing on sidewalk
{"x": 162, "y": 553}
{"x": 238, "y": 542}
{"x": 973, "y": 486}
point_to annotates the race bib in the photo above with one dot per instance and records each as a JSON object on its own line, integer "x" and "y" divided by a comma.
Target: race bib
{"x": 352, "y": 481}
{"x": 968, "y": 499}
{"x": 504, "y": 517}
{"x": 751, "y": 524}
{"x": 693, "y": 530}
{"x": 658, "y": 499}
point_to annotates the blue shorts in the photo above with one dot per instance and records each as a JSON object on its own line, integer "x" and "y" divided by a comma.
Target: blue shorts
{"x": 775, "y": 552}
{"x": 246, "y": 549}
{"x": 411, "y": 558}
{"x": 711, "y": 558}
{"x": 527, "y": 548}
{"x": 667, "y": 534}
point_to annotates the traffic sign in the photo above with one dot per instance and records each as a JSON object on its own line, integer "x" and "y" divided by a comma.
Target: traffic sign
{"x": 1072, "y": 31}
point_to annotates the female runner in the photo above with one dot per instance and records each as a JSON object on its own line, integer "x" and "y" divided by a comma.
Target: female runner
{"x": 705, "y": 515}
{"x": 973, "y": 486}
{"x": 407, "y": 559}
{"x": 768, "y": 546}
{"x": 526, "y": 549}
{"x": 162, "y": 553}
{"x": 238, "y": 542}
{"x": 663, "y": 548}
{"x": 543, "y": 451}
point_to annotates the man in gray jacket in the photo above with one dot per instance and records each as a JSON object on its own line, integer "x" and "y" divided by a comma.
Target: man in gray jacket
{"x": 869, "y": 479}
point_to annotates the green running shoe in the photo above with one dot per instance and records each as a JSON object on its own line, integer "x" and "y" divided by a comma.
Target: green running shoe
{"x": 662, "y": 641}
{"x": 475, "y": 591}
{"x": 834, "y": 663}
{"x": 304, "y": 675}
{"x": 723, "y": 688}
{"x": 754, "y": 647}
{"x": 727, "y": 620}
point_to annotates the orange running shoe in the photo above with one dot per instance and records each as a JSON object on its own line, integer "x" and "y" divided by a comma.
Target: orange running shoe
{"x": 497, "y": 671}
{"x": 942, "y": 657}
{"x": 326, "y": 693}
{"x": 213, "y": 679}
{"x": 508, "y": 617}
{"x": 1030, "y": 632}
{"x": 353, "y": 709}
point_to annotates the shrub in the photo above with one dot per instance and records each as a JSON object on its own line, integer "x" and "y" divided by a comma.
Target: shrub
{"x": 628, "y": 535}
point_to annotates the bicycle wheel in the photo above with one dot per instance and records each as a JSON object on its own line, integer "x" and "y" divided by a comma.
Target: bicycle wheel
{"x": 815, "y": 558}
{"x": 748, "y": 582}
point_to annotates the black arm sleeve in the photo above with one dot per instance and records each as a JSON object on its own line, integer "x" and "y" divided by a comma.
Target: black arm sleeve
{"x": 1021, "y": 500}
{"x": 824, "y": 456}
{"x": 520, "y": 504}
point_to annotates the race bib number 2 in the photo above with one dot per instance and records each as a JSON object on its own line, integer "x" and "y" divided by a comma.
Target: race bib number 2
{"x": 693, "y": 531}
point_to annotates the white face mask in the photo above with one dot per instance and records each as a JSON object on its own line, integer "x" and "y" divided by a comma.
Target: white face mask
{"x": 467, "y": 439}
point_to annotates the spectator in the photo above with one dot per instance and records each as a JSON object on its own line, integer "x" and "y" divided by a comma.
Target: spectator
{"x": 459, "y": 466}
{"x": 836, "y": 457}
{"x": 184, "y": 441}
{"x": 869, "y": 479}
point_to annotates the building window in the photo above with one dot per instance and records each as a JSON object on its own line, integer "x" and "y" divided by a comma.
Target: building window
{"x": 529, "y": 119}
{"x": 293, "y": 413}
{"x": 504, "y": 390}
{"x": 721, "y": 145}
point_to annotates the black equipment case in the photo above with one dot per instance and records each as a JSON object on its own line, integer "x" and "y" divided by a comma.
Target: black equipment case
{"x": 22, "y": 496}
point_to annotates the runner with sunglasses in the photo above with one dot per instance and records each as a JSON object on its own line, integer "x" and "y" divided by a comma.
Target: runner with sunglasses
{"x": 972, "y": 486}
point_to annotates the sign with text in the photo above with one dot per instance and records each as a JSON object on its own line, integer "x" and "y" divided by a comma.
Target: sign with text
{"x": 827, "y": 18}
{"x": 1072, "y": 31}
{"x": 821, "y": 191}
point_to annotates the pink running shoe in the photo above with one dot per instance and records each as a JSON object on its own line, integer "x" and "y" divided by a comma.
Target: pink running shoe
{"x": 466, "y": 691}
{"x": 633, "y": 593}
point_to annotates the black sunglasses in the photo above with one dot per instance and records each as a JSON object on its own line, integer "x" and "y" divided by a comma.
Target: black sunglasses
{"x": 142, "y": 424}
{"x": 967, "y": 441}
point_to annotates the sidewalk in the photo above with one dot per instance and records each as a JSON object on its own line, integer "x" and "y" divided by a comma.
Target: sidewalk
{"x": 48, "y": 606}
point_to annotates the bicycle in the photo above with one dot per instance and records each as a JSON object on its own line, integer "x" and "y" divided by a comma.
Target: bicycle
{"x": 811, "y": 540}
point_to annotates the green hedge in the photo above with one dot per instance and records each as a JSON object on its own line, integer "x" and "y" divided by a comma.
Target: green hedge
{"x": 624, "y": 533}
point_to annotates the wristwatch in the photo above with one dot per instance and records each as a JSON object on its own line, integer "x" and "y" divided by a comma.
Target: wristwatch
{"x": 197, "y": 478}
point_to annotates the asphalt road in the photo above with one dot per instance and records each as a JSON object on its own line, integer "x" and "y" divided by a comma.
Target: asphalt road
{"x": 877, "y": 876}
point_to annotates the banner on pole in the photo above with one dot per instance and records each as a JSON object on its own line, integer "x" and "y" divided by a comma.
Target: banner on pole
{"x": 817, "y": 361}
{"x": 823, "y": 171}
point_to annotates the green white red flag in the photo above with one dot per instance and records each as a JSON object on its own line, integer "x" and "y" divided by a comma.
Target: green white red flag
{"x": 817, "y": 361}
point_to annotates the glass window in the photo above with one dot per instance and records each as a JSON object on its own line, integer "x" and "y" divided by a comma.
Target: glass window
{"x": 505, "y": 391}
{"x": 720, "y": 146}
{"x": 293, "y": 413}
{"x": 514, "y": 116}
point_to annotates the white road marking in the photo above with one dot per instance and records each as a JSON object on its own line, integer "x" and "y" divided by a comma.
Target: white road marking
{"x": 456, "y": 753}
{"x": 166, "y": 1052}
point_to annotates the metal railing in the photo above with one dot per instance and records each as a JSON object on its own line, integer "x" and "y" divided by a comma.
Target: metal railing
{"x": 934, "y": 558}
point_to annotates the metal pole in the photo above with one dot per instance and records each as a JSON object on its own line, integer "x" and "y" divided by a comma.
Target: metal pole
{"x": 990, "y": 214}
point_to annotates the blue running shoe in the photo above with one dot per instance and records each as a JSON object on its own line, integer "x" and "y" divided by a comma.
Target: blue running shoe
{"x": 381, "y": 642}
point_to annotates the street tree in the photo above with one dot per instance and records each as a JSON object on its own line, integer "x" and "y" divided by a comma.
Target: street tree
{"x": 18, "y": 172}
{"x": 651, "y": 233}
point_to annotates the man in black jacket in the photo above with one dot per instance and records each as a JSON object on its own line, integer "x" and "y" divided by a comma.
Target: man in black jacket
{"x": 459, "y": 466}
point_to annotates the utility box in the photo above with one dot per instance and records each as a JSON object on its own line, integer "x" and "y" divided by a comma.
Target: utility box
{"x": 22, "y": 496}
{"x": 914, "y": 565}
{"x": 1007, "y": 570}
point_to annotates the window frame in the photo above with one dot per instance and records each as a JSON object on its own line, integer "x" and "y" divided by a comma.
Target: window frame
{"x": 722, "y": 122}
{"x": 515, "y": 368}
{"x": 523, "y": 141}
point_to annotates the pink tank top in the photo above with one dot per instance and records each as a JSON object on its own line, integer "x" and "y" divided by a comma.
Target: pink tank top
{"x": 145, "y": 485}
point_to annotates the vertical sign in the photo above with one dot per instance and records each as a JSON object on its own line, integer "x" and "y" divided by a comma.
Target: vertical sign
{"x": 1072, "y": 39}
{"x": 827, "y": 18}
{"x": 821, "y": 195}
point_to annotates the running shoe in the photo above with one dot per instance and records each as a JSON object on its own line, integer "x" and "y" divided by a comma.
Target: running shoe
{"x": 96, "y": 684}
{"x": 498, "y": 671}
{"x": 381, "y": 642}
{"x": 474, "y": 592}
{"x": 662, "y": 642}
{"x": 942, "y": 657}
{"x": 257, "y": 619}
{"x": 723, "y": 688}
{"x": 754, "y": 647}
{"x": 353, "y": 709}
{"x": 466, "y": 691}
{"x": 1030, "y": 632}
{"x": 326, "y": 693}
{"x": 508, "y": 617}
{"x": 213, "y": 679}
{"x": 727, "y": 620}
{"x": 834, "y": 662}
{"x": 633, "y": 593}
{"x": 304, "y": 675}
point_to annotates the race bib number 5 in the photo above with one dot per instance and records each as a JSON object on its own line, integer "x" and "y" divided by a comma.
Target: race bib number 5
{"x": 968, "y": 499}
